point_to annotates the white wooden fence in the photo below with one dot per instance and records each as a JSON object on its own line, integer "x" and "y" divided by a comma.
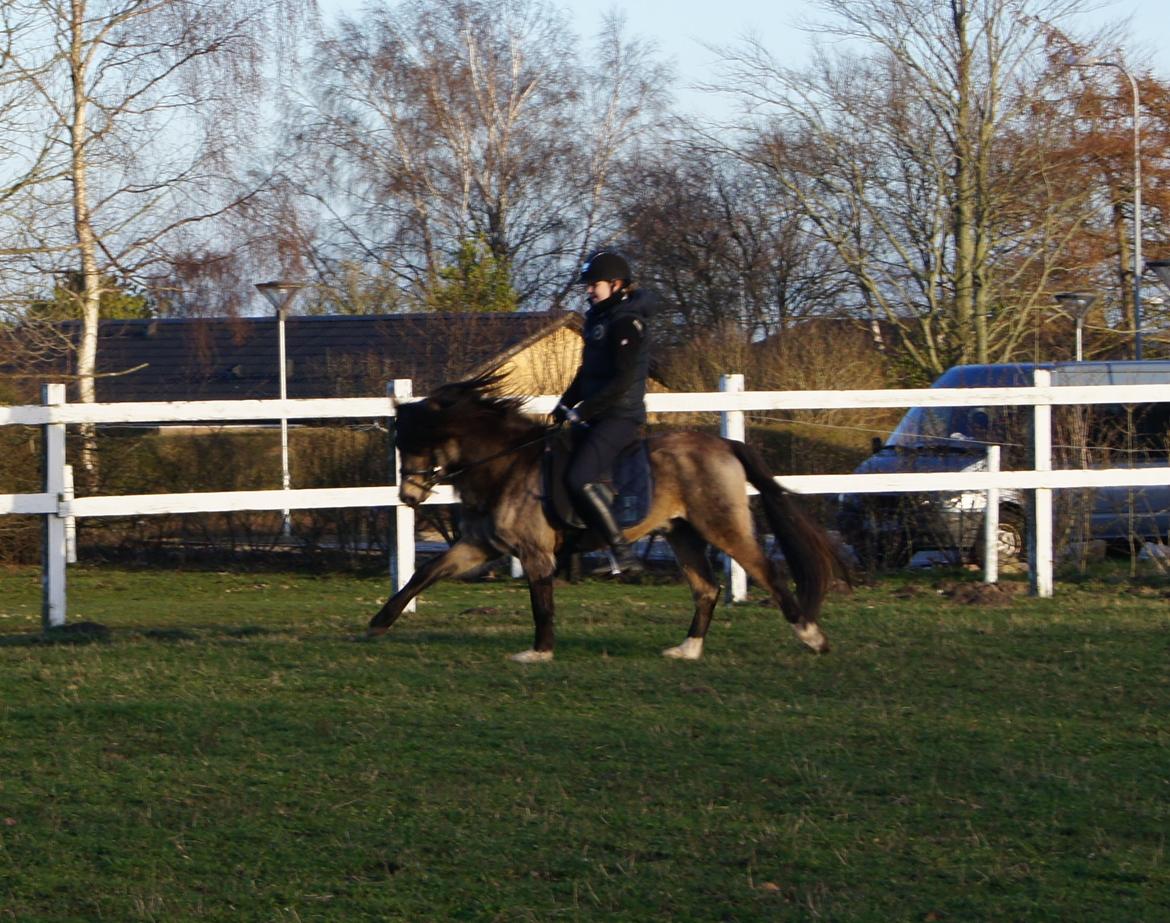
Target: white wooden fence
{"x": 59, "y": 507}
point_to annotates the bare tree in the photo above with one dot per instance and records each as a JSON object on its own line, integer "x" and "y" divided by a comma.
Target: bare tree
{"x": 26, "y": 149}
{"x": 141, "y": 103}
{"x": 427, "y": 125}
{"x": 1103, "y": 105}
{"x": 725, "y": 248}
{"x": 918, "y": 152}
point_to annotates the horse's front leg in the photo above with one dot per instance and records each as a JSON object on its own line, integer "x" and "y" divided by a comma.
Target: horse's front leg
{"x": 540, "y": 568}
{"x": 458, "y": 559}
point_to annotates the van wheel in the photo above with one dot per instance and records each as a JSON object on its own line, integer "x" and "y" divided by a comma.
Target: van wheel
{"x": 1012, "y": 539}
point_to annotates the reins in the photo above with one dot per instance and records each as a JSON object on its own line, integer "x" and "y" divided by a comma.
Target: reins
{"x": 436, "y": 474}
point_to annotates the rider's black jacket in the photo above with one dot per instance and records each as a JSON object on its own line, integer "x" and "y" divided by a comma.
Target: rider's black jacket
{"x": 611, "y": 382}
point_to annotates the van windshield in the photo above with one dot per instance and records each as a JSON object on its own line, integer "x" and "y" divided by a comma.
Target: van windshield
{"x": 959, "y": 428}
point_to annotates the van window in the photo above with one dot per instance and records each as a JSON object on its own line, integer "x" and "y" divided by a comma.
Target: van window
{"x": 1111, "y": 435}
{"x": 964, "y": 429}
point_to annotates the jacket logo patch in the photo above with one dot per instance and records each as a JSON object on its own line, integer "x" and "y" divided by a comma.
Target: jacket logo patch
{"x": 598, "y": 332}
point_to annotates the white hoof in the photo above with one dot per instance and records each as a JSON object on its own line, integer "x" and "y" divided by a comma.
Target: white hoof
{"x": 690, "y": 649}
{"x": 812, "y": 636}
{"x": 532, "y": 657}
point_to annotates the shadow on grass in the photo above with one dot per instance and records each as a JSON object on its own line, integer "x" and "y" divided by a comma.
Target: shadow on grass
{"x": 79, "y": 633}
{"x": 75, "y": 633}
{"x": 506, "y": 643}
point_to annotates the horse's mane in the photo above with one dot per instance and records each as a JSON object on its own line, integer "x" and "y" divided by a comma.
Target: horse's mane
{"x": 475, "y": 408}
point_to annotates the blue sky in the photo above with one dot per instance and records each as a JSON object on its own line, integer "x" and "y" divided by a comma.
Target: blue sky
{"x": 681, "y": 28}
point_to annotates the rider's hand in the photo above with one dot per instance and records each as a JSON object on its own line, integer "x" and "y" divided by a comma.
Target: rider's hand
{"x": 561, "y": 414}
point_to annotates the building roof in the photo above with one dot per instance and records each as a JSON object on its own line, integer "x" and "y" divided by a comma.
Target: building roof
{"x": 222, "y": 358}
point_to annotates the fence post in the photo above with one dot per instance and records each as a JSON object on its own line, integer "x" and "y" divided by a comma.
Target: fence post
{"x": 402, "y": 559}
{"x": 54, "y": 548}
{"x": 732, "y": 426}
{"x": 70, "y": 520}
{"x": 1040, "y": 527}
{"x": 991, "y": 522}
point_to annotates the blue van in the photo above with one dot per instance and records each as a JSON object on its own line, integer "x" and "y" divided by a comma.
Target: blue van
{"x": 886, "y": 529}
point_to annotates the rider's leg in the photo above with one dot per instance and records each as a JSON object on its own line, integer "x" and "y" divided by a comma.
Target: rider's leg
{"x": 595, "y": 506}
{"x": 593, "y": 457}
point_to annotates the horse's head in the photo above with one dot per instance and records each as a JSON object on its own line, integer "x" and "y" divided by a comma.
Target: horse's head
{"x": 420, "y": 443}
{"x": 433, "y": 433}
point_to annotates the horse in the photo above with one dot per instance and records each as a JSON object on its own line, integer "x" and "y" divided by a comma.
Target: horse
{"x": 476, "y": 439}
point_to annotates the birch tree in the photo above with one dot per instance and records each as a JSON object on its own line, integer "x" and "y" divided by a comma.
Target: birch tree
{"x": 142, "y": 105}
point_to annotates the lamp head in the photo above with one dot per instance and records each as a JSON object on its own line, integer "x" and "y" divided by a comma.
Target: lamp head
{"x": 1160, "y": 268}
{"x": 279, "y": 293}
{"x": 1076, "y": 303}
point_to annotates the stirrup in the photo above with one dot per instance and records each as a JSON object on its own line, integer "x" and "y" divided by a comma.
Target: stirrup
{"x": 626, "y": 562}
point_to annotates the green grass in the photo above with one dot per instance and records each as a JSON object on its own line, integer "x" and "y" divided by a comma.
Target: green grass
{"x": 230, "y": 751}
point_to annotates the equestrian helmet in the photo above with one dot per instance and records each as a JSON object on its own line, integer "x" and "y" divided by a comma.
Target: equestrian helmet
{"x": 604, "y": 266}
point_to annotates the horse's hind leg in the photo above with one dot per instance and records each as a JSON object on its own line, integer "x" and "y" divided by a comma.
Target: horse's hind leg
{"x": 690, "y": 549}
{"x": 735, "y": 536}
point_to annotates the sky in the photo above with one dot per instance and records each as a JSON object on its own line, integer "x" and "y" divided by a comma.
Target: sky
{"x": 683, "y": 28}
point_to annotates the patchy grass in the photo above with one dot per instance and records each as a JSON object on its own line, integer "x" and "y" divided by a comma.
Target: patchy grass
{"x": 225, "y": 747}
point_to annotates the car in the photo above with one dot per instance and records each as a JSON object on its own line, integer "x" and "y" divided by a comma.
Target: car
{"x": 887, "y": 529}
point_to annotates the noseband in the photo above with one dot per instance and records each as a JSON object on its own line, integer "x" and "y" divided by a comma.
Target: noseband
{"x": 426, "y": 479}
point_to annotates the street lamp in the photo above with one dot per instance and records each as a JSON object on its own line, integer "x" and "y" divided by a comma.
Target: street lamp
{"x": 1137, "y": 195}
{"x": 1077, "y": 304}
{"x": 1160, "y": 268}
{"x": 280, "y": 295}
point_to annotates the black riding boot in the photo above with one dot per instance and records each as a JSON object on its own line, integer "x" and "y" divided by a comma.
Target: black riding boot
{"x": 600, "y": 517}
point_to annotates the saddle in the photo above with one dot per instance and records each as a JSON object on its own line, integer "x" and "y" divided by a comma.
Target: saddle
{"x": 631, "y": 484}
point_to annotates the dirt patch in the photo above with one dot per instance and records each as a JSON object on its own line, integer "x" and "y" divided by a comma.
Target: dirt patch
{"x": 481, "y": 610}
{"x": 979, "y": 594}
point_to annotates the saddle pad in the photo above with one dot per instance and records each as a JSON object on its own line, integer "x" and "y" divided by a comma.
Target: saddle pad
{"x": 632, "y": 483}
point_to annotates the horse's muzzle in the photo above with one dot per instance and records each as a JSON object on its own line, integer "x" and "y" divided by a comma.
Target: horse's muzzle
{"x": 411, "y": 499}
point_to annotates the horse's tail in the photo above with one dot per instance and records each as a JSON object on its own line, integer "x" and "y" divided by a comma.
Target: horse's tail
{"x": 812, "y": 559}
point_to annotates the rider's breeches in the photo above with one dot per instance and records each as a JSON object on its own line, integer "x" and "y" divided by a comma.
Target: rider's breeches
{"x": 594, "y": 452}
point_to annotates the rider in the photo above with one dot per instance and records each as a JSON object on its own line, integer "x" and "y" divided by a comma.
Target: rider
{"x": 604, "y": 402}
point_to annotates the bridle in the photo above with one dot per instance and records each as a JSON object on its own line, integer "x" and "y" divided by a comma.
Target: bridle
{"x": 427, "y": 479}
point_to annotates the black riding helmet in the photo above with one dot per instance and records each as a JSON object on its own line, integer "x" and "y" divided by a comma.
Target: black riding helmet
{"x": 604, "y": 266}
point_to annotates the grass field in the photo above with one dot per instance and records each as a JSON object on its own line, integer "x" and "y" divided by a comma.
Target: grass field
{"x": 229, "y": 751}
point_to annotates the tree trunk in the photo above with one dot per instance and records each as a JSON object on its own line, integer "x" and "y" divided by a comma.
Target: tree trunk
{"x": 86, "y": 241}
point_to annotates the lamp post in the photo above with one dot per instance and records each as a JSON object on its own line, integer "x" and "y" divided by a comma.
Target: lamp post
{"x": 280, "y": 295}
{"x": 1077, "y": 304}
{"x": 1137, "y": 195}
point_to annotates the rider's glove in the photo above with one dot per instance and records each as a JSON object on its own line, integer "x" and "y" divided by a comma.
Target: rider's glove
{"x": 561, "y": 414}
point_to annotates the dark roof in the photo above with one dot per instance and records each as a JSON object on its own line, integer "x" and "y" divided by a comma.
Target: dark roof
{"x": 330, "y": 356}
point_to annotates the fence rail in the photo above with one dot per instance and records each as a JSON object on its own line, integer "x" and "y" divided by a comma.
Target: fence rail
{"x": 60, "y": 508}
